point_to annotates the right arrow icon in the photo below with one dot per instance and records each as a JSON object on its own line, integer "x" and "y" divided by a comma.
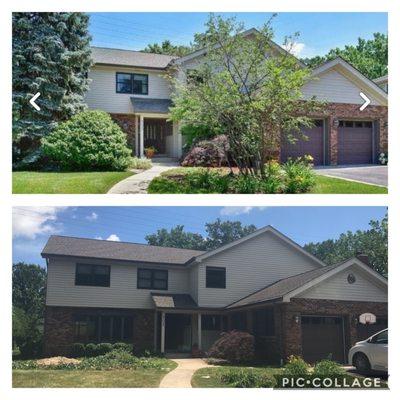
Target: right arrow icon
{"x": 366, "y": 100}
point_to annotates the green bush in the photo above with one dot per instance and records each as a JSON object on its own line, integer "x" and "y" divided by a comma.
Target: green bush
{"x": 77, "y": 350}
{"x": 245, "y": 378}
{"x": 127, "y": 347}
{"x": 328, "y": 368}
{"x": 91, "y": 350}
{"x": 140, "y": 163}
{"x": 193, "y": 134}
{"x": 104, "y": 348}
{"x": 88, "y": 141}
{"x": 296, "y": 366}
{"x": 300, "y": 177}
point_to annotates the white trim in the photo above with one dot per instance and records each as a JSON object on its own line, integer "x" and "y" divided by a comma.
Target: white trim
{"x": 141, "y": 135}
{"x": 136, "y": 136}
{"x": 268, "y": 228}
{"x": 199, "y": 330}
{"x": 381, "y": 95}
{"x": 162, "y": 332}
{"x": 349, "y": 263}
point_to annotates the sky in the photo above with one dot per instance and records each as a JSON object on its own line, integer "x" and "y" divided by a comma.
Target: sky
{"x": 319, "y": 32}
{"x": 32, "y": 226}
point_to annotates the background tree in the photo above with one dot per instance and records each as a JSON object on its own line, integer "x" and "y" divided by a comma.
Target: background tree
{"x": 372, "y": 242}
{"x": 243, "y": 92}
{"x": 218, "y": 233}
{"x": 168, "y": 48}
{"x": 370, "y": 57}
{"x": 51, "y": 55}
{"x": 28, "y": 300}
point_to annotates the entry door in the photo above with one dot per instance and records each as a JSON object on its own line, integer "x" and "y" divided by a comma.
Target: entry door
{"x": 178, "y": 332}
{"x": 155, "y": 132}
{"x": 322, "y": 338}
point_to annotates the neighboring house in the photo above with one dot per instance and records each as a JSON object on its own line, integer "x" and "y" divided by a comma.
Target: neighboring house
{"x": 133, "y": 88}
{"x": 172, "y": 300}
{"x": 383, "y": 82}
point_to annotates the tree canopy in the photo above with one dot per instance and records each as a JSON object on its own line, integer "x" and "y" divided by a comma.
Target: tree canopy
{"x": 240, "y": 90}
{"x": 370, "y": 56}
{"x": 372, "y": 242}
{"x": 51, "y": 55}
{"x": 218, "y": 233}
{"x": 166, "y": 47}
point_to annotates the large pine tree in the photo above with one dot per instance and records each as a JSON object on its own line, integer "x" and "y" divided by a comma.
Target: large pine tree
{"x": 51, "y": 55}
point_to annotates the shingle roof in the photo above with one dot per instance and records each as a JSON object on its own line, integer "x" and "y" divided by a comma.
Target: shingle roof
{"x": 282, "y": 287}
{"x": 130, "y": 58}
{"x": 176, "y": 301}
{"x": 159, "y": 106}
{"x": 119, "y": 251}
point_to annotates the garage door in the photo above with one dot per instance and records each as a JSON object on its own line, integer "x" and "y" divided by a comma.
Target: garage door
{"x": 314, "y": 146}
{"x": 322, "y": 338}
{"x": 355, "y": 142}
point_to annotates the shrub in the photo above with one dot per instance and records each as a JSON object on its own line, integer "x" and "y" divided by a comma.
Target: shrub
{"x": 127, "y": 347}
{"x": 88, "y": 141}
{"x": 245, "y": 184}
{"x": 328, "y": 368}
{"x": 91, "y": 350}
{"x": 104, "y": 348}
{"x": 299, "y": 176}
{"x": 194, "y": 134}
{"x": 208, "y": 153}
{"x": 77, "y": 350}
{"x": 245, "y": 378}
{"x": 296, "y": 366}
{"x": 140, "y": 163}
{"x": 233, "y": 346}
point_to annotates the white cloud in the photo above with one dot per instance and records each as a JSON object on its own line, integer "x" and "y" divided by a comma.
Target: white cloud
{"x": 92, "y": 217}
{"x": 112, "y": 238}
{"x": 30, "y": 222}
{"x": 239, "y": 210}
{"x": 294, "y": 48}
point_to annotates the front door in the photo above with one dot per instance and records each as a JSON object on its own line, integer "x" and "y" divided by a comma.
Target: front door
{"x": 155, "y": 132}
{"x": 178, "y": 332}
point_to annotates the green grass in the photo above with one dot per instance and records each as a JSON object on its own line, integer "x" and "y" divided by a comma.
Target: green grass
{"x": 87, "y": 379}
{"x": 210, "y": 377}
{"x": 327, "y": 185}
{"x": 27, "y": 182}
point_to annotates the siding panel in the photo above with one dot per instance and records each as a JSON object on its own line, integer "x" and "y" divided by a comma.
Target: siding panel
{"x": 250, "y": 266}
{"x": 337, "y": 288}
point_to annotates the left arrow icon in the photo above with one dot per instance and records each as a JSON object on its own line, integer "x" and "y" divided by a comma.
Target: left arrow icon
{"x": 32, "y": 101}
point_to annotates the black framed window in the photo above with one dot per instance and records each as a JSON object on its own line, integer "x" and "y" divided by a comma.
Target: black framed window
{"x": 132, "y": 83}
{"x": 103, "y": 328}
{"x": 92, "y": 275}
{"x": 263, "y": 322}
{"x": 211, "y": 322}
{"x": 215, "y": 277}
{"x": 152, "y": 279}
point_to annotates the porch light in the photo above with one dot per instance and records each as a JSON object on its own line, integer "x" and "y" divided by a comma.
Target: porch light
{"x": 335, "y": 122}
{"x": 297, "y": 319}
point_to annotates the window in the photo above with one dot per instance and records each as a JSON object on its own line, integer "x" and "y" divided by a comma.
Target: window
{"x": 132, "y": 83}
{"x": 103, "y": 328}
{"x": 263, "y": 322}
{"x": 92, "y": 275}
{"x": 380, "y": 338}
{"x": 216, "y": 277}
{"x": 211, "y": 322}
{"x": 152, "y": 279}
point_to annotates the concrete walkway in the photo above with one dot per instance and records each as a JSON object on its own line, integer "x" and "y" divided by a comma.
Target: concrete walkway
{"x": 181, "y": 376}
{"x": 139, "y": 183}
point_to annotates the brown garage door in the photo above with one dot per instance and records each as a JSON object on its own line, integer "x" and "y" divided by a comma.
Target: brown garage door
{"x": 355, "y": 142}
{"x": 314, "y": 146}
{"x": 322, "y": 338}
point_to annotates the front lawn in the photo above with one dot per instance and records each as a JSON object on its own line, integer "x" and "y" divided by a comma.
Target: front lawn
{"x": 234, "y": 376}
{"x": 217, "y": 180}
{"x": 28, "y": 182}
{"x": 87, "y": 379}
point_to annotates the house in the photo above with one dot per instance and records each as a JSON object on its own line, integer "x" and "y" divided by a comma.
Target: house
{"x": 383, "y": 82}
{"x": 171, "y": 300}
{"x": 132, "y": 86}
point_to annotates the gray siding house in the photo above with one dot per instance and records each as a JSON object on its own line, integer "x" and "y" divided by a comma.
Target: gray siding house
{"x": 176, "y": 300}
{"x": 132, "y": 87}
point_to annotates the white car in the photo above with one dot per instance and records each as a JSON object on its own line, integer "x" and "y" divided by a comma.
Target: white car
{"x": 371, "y": 354}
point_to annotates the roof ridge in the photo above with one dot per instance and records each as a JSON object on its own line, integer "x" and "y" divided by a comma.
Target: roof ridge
{"x": 123, "y": 242}
{"x": 133, "y": 51}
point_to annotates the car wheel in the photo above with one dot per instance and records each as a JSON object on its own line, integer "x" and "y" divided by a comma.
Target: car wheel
{"x": 361, "y": 363}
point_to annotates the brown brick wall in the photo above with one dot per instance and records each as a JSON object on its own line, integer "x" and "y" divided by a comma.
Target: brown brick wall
{"x": 59, "y": 328}
{"x": 350, "y": 310}
{"x": 127, "y": 124}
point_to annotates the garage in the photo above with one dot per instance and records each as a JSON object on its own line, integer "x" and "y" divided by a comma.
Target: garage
{"x": 322, "y": 338}
{"x": 314, "y": 146}
{"x": 355, "y": 142}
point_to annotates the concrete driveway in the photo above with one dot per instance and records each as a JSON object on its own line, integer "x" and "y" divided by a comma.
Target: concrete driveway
{"x": 372, "y": 174}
